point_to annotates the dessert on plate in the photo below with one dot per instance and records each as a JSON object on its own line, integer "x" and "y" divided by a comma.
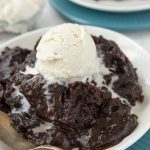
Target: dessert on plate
{"x": 19, "y": 16}
{"x": 73, "y": 90}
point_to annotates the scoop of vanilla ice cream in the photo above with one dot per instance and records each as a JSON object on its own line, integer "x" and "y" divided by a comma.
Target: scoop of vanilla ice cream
{"x": 67, "y": 51}
{"x": 13, "y": 11}
{"x": 19, "y": 16}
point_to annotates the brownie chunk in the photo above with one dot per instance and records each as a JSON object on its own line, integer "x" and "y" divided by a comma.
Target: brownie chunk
{"x": 127, "y": 85}
{"x": 128, "y": 88}
{"x": 81, "y": 114}
{"x": 11, "y": 62}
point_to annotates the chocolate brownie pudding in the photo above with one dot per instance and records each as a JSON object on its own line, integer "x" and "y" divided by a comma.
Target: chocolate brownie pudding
{"x": 11, "y": 62}
{"x": 91, "y": 115}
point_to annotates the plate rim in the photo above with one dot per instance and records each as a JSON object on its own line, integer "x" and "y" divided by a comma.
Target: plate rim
{"x": 93, "y": 5}
{"x": 43, "y": 30}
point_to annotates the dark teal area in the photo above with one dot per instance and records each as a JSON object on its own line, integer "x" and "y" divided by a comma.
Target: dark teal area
{"x": 142, "y": 144}
{"x": 116, "y": 21}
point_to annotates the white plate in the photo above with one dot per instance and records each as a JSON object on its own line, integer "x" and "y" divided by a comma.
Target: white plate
{"x": 115, "y": 6}
{"x": 138, "y": 56}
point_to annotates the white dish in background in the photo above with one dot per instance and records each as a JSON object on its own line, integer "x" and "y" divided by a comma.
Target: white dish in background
{"x": 114, "y": 5}
{"x": 139, "y": 57}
